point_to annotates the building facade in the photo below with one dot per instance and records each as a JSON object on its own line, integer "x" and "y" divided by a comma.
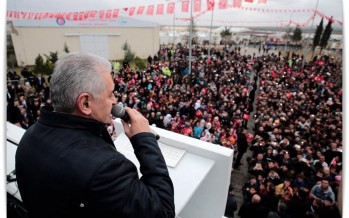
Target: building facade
{"x": 105, "y": 38}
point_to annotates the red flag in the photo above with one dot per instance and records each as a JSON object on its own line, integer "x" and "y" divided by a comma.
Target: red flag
{"x": 30, "y": 16}
{"x": 92, "y": 14}
{"x": 160, "y": 9}
{"x": 16, "y": 15}
{"x": 197, "y": 5}
{"x": 101, "y": 15}
{"x": 331, "y": 20}
{"x": 115, "y": 13}
{"x": 86, "y": 15}
{"x": 222, "y": 4}
{"x": 249, "y": 1}
{"x": 140, "y": 10}
{"x": 125, "y": 9}
{"x": 210, "y": 5}
{"x": 170, "y": 8}
{"x": 185, "y": 6}
{"x": 150, "y": 10}
{"x": 262, "y": 1}
{"x": 108, "y": 14}
{"x": 131, "y": 12}
{"x": 237, "y": 3}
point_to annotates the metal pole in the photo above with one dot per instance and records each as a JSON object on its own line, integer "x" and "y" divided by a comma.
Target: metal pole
{"x": 312, "y": 23}
{"x": 209, "y": 41}
{"x": 190, "y": 34}
{"x": 174, "y": 24}
{"x": 311, "y": 28}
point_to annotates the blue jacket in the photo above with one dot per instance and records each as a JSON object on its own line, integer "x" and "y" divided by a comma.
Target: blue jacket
{"x": 67, "y": 166}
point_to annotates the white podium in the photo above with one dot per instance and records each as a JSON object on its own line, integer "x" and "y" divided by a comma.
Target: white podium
{"x": 13, "y": 136}
{"x": 201, "y": 178}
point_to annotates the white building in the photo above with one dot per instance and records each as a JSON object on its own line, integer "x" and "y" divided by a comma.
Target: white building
{"x": 105, "y": 38}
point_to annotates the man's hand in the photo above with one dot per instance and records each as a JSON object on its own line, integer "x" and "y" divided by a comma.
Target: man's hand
{"x": 138, "y": 123}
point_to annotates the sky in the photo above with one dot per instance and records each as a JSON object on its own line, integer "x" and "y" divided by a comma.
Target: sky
{"x": 251, "y": 17}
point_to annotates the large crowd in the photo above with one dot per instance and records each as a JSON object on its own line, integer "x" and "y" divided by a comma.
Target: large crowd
{"x": 296, "y": 148}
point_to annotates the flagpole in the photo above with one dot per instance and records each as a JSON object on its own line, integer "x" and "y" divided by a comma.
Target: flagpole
{"x": 311, "y": 29}
{"x": 209, "y": 41}
{"x": 190, "y": 34}
{"x": 174, "y": 24}
{"x": 174, "y": 21}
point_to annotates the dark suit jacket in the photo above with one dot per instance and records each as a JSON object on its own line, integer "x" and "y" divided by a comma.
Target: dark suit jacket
{"x": 242, "y": 142}
{"x": 250, "y": 210}
{"x": 67, "y": 166}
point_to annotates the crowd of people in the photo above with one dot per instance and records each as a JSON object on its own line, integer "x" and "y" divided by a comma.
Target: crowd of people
{"x": 296, "y": 162}
{"x": 296, "y": 149}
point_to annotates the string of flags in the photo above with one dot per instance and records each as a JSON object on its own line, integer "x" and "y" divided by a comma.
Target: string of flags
{"x": 168, "y": 8}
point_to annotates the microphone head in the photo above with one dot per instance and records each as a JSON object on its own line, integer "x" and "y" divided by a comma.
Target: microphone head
{"x": 118, "y": 111}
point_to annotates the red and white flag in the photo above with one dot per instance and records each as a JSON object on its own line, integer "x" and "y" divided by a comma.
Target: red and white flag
{"x": 185, "y": 6}
{"x": 160, "y": 9}
{"x": 210, "y": 5}
{"x": 132, "y": 11}
{"x": 107, "y": 15}
{"x": 150, "y": 10}
{"x": 197, "y": 5}
{"x": 101, "y": 15}
{"x": 115, "y": 13}
{"x": 237, "y": 3}
{"x": 222, "y": 4}
{"x": 170, "y": 8}
{"x": 140, "y": 10}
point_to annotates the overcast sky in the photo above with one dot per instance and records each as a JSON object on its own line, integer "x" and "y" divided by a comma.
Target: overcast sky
{"x": 226, "y": 17}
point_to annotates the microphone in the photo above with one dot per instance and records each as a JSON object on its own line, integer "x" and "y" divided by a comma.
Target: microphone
{"x": 119, "y": 111}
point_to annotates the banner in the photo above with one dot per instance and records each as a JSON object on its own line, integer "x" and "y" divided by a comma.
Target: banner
{"x": 132, "y": 11}
{"x": 150, "y": 10}
{"x": 210, "y": 5}
{"x": 185, "y": 6}
{"x": 108, "y": 14}
{"x": 170, "y": 8}
{"x": 101, "y": 15}
{"x": 223, "y": 4}
{"x": 115, "y": 13}
{"x": 140, "y": 10}
{"x": 160, "y": 9}
{"x": 237, "y": 3}
{"x": 197, "y": 5}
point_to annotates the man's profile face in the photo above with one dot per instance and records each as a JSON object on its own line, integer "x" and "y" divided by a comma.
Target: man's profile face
{"x": 101, "y": 106}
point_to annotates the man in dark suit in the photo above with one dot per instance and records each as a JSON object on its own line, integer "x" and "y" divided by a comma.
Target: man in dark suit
{"x": 40, "y": 80}
{"x": 253, "y": 208}
{"x": 67, "y": 164}
{"x": 242, "y": 145}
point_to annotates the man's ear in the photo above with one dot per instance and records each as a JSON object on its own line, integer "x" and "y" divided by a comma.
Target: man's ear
{"x": 84, "y": 103}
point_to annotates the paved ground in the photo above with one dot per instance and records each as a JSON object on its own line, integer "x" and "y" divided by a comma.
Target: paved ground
{"x": 239, "y": 176}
